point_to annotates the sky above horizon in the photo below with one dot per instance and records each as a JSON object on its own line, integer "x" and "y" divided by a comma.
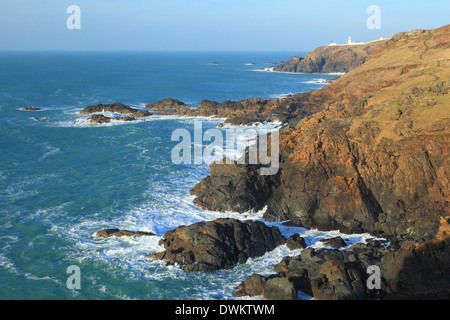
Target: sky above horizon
{"x": 207, "y": 25}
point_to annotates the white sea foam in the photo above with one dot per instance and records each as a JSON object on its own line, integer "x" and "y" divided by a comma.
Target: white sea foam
{"x": 320, "y": 81}
{"x": 168, "y": 209}
{"x": 271, "y": 69}
{"x": 84, "y": 122}
{"x": 50, "y": 151}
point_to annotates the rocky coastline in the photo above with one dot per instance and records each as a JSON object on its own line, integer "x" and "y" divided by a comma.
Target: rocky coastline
{"x": 369, "y": 153}
{"x": 330, "y": 59}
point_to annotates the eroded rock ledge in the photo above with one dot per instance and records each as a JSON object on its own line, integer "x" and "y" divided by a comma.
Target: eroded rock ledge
{"x": 218, "y": 244}
{"x": 342, "y": 275}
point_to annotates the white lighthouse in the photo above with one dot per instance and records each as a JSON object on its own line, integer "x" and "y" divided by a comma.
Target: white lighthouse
{"x": 349, "y": 40}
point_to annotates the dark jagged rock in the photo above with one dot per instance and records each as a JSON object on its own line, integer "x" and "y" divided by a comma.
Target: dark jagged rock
{"x": 114, "y": 107}
{"x": 330, "y": 59}
{"x": 134, "y": 116}
{"x": 249, "y": 118}
{"x": 336, "y": 242}
{"x": 296, "y": 242}
{"x": 101, "y": 119}
{"x": 98, "y": 118}
{"x": 343, "y": 275}
{"x": 218, "y": 244}
{"x": 234, "y": 187}
{"x": 107, "y": 233}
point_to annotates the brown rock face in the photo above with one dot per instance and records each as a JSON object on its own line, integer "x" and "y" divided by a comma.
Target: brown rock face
{"x": 330, "y": 59}
{"x": 107, "y": 233}
{"x": 218, "y": 244}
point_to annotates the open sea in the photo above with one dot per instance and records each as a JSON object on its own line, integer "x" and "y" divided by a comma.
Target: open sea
{"x": 62, "y": 179}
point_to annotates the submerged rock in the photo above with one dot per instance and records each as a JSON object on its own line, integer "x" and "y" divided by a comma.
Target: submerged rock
{"x": 218, "y": 244}
{"x": 107, "y": 233}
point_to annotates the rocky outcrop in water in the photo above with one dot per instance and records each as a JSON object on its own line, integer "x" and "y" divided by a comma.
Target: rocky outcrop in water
{"x": 114, "y": 107}
{"x": 168, "y": 103}
{"x": 107, "y": 233}
{"x": 101, "y": 119}
{"x": 336, "y": 243}
{"x": 218, "y": 244}
{"x": 296, "y": 242}
{"x": 245, "y": 112}
{"x": 31, "y": 109}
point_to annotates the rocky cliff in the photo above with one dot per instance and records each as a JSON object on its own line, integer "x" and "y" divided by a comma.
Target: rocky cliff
{"x": 330, "y": 59}
{"x": 375, "y": 159}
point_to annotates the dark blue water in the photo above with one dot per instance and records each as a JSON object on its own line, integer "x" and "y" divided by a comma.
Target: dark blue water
{"x": 62, "y": 179}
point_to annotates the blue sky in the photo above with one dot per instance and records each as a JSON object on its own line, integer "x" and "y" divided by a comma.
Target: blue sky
{"x": 207, "y": 25}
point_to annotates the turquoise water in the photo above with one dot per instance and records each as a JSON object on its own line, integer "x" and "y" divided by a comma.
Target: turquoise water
{"x": 61, "y": 180}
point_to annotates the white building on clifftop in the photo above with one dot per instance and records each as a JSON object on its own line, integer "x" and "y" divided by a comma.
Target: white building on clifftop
{"x": 351, "y": 43}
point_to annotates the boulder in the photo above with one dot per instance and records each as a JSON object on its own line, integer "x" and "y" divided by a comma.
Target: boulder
{"x": 280, "y": 289}
{"x": 296, "y": 242}
{"x": 219, "y": 244}
{"x": 336, "y": 242}
{"x": 252, "y": 287}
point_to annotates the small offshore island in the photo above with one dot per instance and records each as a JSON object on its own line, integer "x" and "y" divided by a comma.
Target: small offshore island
{"x": 368, "y": 153}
